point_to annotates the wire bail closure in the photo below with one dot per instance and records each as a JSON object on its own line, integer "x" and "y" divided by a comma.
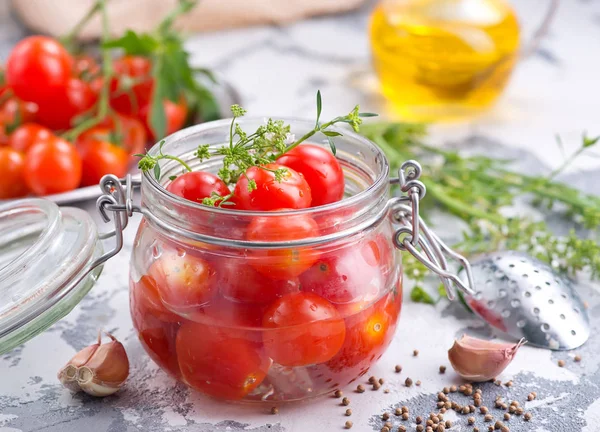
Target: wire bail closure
{"x": 414, "y": 233}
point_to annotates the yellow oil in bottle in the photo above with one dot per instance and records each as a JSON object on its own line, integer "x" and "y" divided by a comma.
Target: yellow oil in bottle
{"x": 443, "y": 59}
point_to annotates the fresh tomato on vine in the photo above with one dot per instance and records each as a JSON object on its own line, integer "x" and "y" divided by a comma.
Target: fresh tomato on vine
{"x": 128, "y": 130}
{"x": 285, "y": 263}
{"x": 38, "y": 69}
{"x": 220, "y": 361}
{"x": 292, "y": 192}
{"x": 302, "y": 329}
{"x": 52, "y": 166}
{"x": 197, "y": 185}
{"x": 175, "y": 113}
{"x": 85, "y": 67}
{"x": 15, "y": 112}
{"x": 27, "y": 135}
{"x": 12, "y": 180}
{"x": 99, "y": 158}
{"x": 131, "y": 88}
{"x": 76, "y": 99}
{"x": 320, "y": 169}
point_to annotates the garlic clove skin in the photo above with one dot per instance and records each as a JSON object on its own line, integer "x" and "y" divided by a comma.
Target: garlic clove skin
{"x": 480, "y": 360}
{"x": 99, "y": 370}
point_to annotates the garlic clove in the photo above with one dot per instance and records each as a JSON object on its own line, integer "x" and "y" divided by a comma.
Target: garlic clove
{"x": 99, "y": 370}
{"x": 481, "y": 360}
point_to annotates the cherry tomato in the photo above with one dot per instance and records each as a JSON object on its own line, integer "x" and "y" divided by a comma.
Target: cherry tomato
{"x": 38, "y": 69}
{"x": 183, "y": 280}
{"x": 368, "y": 333}
{"x": 302, "y": 329}
{"x": 52, "y": 166}
{"x": 16, "y": 112}
{"x": 131, "y": 89}
{"x": 156, "y": 336}
{"x": 28, "y": 134}
{"x": 197, "y": 185}
{"x": 292, "y": 192}
{"x": 145, "y": 294}
{"x": 61, "y": 111}
{"x": 85, "y": 67}
{"x": 175, "y": 112}
{"x": 320, "y": 169}
{"x": 99, "y": 158}
{"x": 12, "y": 181}
{"x": 220, "y": 362}
{"x": 242, "y": 283}
{"x": 128, "y": 131}
{"x": 222, "y": 312}
{"x": 352, "y": 275}
{"x": 285, "y": 263}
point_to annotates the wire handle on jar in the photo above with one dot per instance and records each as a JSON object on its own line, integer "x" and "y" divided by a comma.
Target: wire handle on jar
{"x": 414, "y": 233}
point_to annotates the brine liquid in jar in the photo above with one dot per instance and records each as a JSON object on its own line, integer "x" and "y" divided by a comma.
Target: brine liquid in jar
{"x": 443, "y": 59}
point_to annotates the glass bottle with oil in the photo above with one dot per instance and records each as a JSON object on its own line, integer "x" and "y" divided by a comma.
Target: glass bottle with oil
{"x": 443, "y": 59}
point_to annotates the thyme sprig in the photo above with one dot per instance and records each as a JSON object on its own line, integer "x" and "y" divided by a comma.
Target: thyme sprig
{"x": 259, "y": 148}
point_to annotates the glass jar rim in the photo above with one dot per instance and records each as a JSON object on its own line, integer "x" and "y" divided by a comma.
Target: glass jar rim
{"x": 382, "y": 175}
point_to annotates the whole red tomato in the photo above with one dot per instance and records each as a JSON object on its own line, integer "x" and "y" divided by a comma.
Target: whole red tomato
{"x": 302, "y": 329}
{"x": 52, "y": 166}
{"x": 292, "y": 192}
{"x": 285, "y": 263}
{"x": 127, "y": 131}
{"x": 354, "y": 274}
{"x": 16, "y": 112}
{"x": 146, "y": 296}
{"x": 222, "y": 312}
{"x": 59, "y": 113}
{"x": 28, "y": 134}
{"x": 99, "y": 158}
{"x": 12, "y": 181}
{"x": 175, "y": 112}
{"x": 219, "y": 361}
{"x": 131, "y": 88}
{"x": 242, "y": 283}
{"x": 197, "y": 185}
{"x": 38, "y": 69}
{"x": 85, "y": 67}
{"x": 320, "y": 169}
{"x": 184, "y": 281}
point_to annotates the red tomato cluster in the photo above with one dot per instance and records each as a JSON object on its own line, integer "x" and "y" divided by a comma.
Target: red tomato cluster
{"x": 226, "y": 322}
{"x": 46, "y": 92}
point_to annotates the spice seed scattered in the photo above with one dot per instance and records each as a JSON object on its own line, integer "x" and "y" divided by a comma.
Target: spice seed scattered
{"x": 404, "y": 408}
{"x": 453, "y": 389}
{"x": 274, "y": 410}
{"x": 475, "y": 429}
{"x": 472, "y": 408}
{"x": 398, "y": 368}
{"x": 483, "y": 410}
{"x": 419, "y": 420}
{"x": 442, "y": 397}
{"x": 418, "y": 383}
{"x": 441, "y": 404}
{"x": 338, "y": 394}
{"x": 519, "y": 411}
{"x": 348, "y": 412}
{"x": 397, "y": 411}
{"x": 514, "y": 403}
{"x": 429, "y": 422}
{"x": 372, "y": 380}
{"x": 446, "y": 390}
{"x": 420, "y": 428}
{"x": 527, "y": 416}
{"x": 471, "y": 420}
{"x": 477, "y": 402}
{"x": 405, "y": 416}
{"x": 530, "y": 397}
{"x": 408, "y": 382}
{"x": 345, "y": 401}
{"x": 433, "y": 417}
{"x": 348, "y": 424}
{"x": 466, "y": 410}
{"x": 490, "y": 428}
{"x": 512, "y": 409}
{"x": 388, "y": 425}
{"x": 386, "y": 391}
{"x": 376, "y": 386}
{"x": 448, "y": 405}
{"x": 577, "y": 358}
{"x": 381, "y": 381}
{"x": 498, "y": 424}
{"x": 440, "y": 428}
{"x": 386, "y": 416}
{"x": 498, "y": 382}
{"x": 448, "y": 424}
{"x": 504, "y": 429}
{"x": 401, "y": 428}
{"x": 360, "y": 388}
{"x": 561, "y": 363}
{"x": 506, "y": 416}
{"x": 415, "y": 353}
{"x": 442, "y": 369}
{"x": 488, "y": 418}
{"x": 508, "y": 384}
{"x": 428, "y": 429}
{"x": 385, "y": 429}
{"x": 443, "y": 411}
{"x": 440, "y": 417}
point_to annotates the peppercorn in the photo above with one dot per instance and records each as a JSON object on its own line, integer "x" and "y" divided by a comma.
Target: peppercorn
{"x": 360, "y": 388}
{"x": 372, "y": 380}
{"x": 348, "y": 424}
{"x": 448, "y": 424}
{"x": 405, "y": 416}
{"x": 385, "y": 416}
{"x": 338, "y": 394}
{"x": 398, "y": 368}
{"x": 506, "y": 416}
{"x": 274, "y": 410}
{"x": 408, "y": 382}
{"x": 345, "y": 401}
{"x": 512, "y": 409}
{"x": 348, "y": 412}
{"x": 577, "y": 358}
{"x": 453, "y": 389}
{"x": 415, "y": 353}
{"x": 483, "y": 410}
{"x": 420, "y": 428}
{"x": 530, "y": 397}
{"x": 527, "y": 416}
{"x": 419, "y": 420}
{"x": 381, "y": 381}
{"x": 376, "y": 386}
{"x": 397, "y": 411}
{"x": 488, "y": 418}
{"x": 385, "y": 429}
{"x": 490, "y": 428}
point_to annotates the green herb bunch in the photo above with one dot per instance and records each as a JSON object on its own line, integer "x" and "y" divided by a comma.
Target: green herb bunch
{"x": 476, "y": 189}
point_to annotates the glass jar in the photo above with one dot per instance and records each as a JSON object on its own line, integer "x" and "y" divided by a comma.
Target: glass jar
{"x": 265, "y": 319}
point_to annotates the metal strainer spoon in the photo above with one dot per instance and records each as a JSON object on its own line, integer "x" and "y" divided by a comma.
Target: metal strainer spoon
{"x": 526, "y": 298}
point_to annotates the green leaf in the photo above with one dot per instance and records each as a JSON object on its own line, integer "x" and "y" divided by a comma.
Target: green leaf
{"x": 173, "y": 177}
{"x": 133, "y": 43}
{"x": 331, "y": 133}
{"x": 157, "y": 171}
{"x": 588, "y": 142}
{"x": 331, "y": 145}
{"x": 419, "y": 295}
{"x": 367, "y": 114}
{"x": 319, "y": 106}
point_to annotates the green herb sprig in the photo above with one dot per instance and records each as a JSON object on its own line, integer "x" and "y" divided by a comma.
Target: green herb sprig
{"x": 476, "y": 189}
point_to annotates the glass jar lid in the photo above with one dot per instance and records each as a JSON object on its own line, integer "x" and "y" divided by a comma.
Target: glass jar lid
{"x": 46, "y": 254}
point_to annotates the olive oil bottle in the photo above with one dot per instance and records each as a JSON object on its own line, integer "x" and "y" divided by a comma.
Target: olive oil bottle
{"x": 443, "y": 59}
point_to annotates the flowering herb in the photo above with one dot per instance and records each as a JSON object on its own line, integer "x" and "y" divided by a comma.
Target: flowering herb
{"x": 244, "y": 150}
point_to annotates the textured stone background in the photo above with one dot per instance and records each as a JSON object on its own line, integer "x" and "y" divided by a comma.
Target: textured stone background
{"x": 552, "y": 93}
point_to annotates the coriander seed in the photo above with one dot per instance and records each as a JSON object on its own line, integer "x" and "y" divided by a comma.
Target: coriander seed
{"x": 477, "y": 402}
{"x": 372, "y": 380}
{"x": 429, "y": 422}
{"x": 462, "y": 389}
{"x": 441, "y": 397}
{"x": 453, "y": 389}
{"x": 381, "y": 381}
{"x": 420, "y": 428}
{"x": 428, "y": 429}
{"x": 446, "y": 390}
{"x": 418, "y": 383}
{"x": 385, "y": 429}
{"x": 398, "y": 368}
{"x": 508, "y": 383}
{"x": 408, "y": 382}
{"x": 512, "y": 409}
{"x": 448, "y": 405}
{"x": 498, "y": 382}
{"x": 577, "y": 358}
{"x": 504, "y": 429}
{"x": 440, "y": 417}
{"x": 360, "y": 388}
{"x": 471, "y": 420}
{"x": 443, "y": 410}
{"x": 488, "y": 418}
{"x": 498, "y": 424}
{"x": 274, "y": 410}
{"x": 472, "y": 408}
{"x": 490, "y": 428}
{"x": 386, "y": 391}
{"x": 441, "y": 404}
{"x": 404, "y": 408}
{"x": 401, "y": 428}
{"x": 440, "y": 428}
{"x": 348, "y": 424}
{"x": 466, "y": 410}
{"x": 419, "y": 420}
{"x": 448, "y": 424}
{"x": 530, "y": 397}
{"x": 561, "y": 363}
{"x": 345, "y": 401}
{"x": 506, "y": 416}
{"x": 483, "y": 410}
{"x": 405, "y": 416}
{"x": 348, "y": 412}
{"x": 338, "y": 394}
{"x": 376, "y": 386}
{"x": 475, "y": 429}
{"x": 385, "y": 416}
{"x": 519, "y": 411}
{"x": 527, "y": 416}
{"x": 514, "y": 403}
{"x": 388, "y": 425}
{"x": 398, "y": 412}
